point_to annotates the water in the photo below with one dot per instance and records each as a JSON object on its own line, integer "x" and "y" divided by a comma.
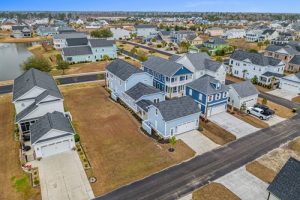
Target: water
{"x": 12, "y": 55}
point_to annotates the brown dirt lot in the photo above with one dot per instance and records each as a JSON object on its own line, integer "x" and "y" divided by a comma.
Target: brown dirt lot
{"x": 214, "y": 191}
{"x": 281, "y": 111}
{"x": 243, "y": 44}
{"x": 22, "y": 40}
{"x": 14, "y": 182}
{"x": 118, "y": 152}
{"x": 296, "y": 99}
{"x": 261, "y": 171}
{"x": 215, "y": 133}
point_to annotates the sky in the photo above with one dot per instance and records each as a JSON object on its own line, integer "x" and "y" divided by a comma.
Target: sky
{"x": 277, "y": 6}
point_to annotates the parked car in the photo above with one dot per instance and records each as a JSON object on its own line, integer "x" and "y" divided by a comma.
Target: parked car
{"x": 258, "y": 112}
{"x": 265, "y": 108}
{"x": 26, "y": 138}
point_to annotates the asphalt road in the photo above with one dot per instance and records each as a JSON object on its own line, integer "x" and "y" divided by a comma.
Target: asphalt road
{"x": 182, "y": 179}
{"x": 6, "y": 89}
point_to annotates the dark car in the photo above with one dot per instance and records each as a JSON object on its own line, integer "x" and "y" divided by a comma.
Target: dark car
{"x": 26, "y": 138}
{"x": 265, "y": 108}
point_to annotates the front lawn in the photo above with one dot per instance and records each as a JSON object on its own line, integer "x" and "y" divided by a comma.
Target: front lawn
{"x": 296, "y": 99}
{"x": 214, "y": 191}
{"x": 118, "y": 151}
{"x": 280, "y": 110}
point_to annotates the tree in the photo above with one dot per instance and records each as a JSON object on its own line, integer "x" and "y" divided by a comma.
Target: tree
{"x": 102, "y": 33}
{"x": 133, "y": 51}
{"x": 164, "y": 43}
{"x": 172, "y": 141}
{"x": 220, "y": 52}
{"x": 264, "y": 101}
{"x": 184, "y": 46}
{"x": 254, "y": 80}
{"x": 153, "y": 40}
{"x": 243, "y": 107}
{"x": 62, "y": 65}
{"x": 219, "y": 59}
{"x": 142, "y": 56}
{"x": 39, "y": 63}
{"x": 260, "y": 44}
{"x": 105, "y": 58}
{"x": 133, "y": 35}
{"x": 267, "y": 42}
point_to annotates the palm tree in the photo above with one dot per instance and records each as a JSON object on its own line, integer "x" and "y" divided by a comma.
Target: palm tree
{"x": 172, "y": 141}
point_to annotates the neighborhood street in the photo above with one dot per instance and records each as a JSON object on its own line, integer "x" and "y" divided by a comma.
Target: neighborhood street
{"x": 182, "y": 179}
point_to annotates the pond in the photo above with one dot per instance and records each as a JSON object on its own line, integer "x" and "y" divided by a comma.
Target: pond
{"x": 12, "y": 55}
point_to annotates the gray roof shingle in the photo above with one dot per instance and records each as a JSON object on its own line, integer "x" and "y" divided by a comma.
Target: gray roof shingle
{"x": 141, "y": 89}
{"x": 77, "y": 51}
{"x": 288, "y": 48}
{"x": 144, "y": 104}
{"x": 55, "y": 120}
{"x": 255, "y": 58}
{"x": 295, "y": 60}
{"x": 215, "y": 41}
{"x": 69, "y": 35}
{"x": 122, "y": 69}
{"x": 76, "y": 41}
{"x": 95, "y": 43}
{"x": 244, "y": 88}
{"x": 145, "y": 26}
{"x": 286, "y": 185}
{"x": 162, "y": 66}
{"x": 177, "y": 108}
{"x": 32, "y": 78}
{"x": 205, "y": 83}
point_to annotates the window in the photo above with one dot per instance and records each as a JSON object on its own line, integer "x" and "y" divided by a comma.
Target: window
{"x": 210, "y": 98}
{"x": 156, "y": 112}
{"x": 200, "y": 96}
{"x": 190, "y": 92}
{"x": 156, "y": 100}
{"x": 120, "y": 82}
{"x": 224, "y": 94}
{"x": 218, "y": 96}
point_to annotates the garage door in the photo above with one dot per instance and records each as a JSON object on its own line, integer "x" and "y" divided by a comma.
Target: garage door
{"x": 55, "y": 148}
{"x": 186, "y": 127}
{"x": 216, "y": 109}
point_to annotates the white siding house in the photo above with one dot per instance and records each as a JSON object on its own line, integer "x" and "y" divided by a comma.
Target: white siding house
{"x": 291, "y": 83}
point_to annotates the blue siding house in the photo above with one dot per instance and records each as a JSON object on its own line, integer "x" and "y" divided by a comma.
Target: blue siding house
{"x": 210, "y": 95}
{"x": 173, "y": 117}
{"x": 168, "y": 76}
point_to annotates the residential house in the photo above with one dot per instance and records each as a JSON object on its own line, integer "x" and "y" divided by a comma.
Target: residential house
{"x": 179, "y": 36}
{"x": 210, "y": 94}
{"x": 215, "y": 44}
{"x": 294, "y": 64}
{"x": 21, "y": 31}
{"x": 120, "y": 33}
{"x": 286, "y": 184}
{"x": 214, "y": 31}
{"x": 291, "y": 83}
{"x": 201, "y": 64}
{"x": 253, "y": 35}
{"x": 46, "y": 31}
{"x": 146, "y": 31}
{"x": 122, "y": 76}
{"x": 168, "y": 76}
{"x": 269, "y": 35}
{"x": 65, "y": 29}
{"x": 248, "y": 65}
{"x": 8, "y": 24}
{"x": 242, "y": 93}
{"x": 59, "y": 40}
{"x": 173, "y": 117}
{"x": 52, "y": 134}
{"x": 35, "y": 93}
{"x": 234, "y": 34}
{"x": 165, "y": 36}
{"x": 283, "y": 39}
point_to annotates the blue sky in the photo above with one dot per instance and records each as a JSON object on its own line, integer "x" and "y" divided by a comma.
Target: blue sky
{"x": 280, "y": 6}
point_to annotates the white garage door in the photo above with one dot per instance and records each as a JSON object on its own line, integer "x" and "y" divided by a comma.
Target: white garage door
{"x": 186, "y": 127}
{"x": 216, "y": 109}
{"x": 292, "y": 87}
{"x": 55, "y": 148}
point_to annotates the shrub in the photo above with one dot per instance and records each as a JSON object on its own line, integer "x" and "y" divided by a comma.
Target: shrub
{"x": 36, "y": 182}
{"x": 77, "y": 137}
{"x": 159, "y": 46}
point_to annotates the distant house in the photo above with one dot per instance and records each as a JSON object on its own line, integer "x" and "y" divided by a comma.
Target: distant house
{"x": 248, "y": 65}
{"x": 46, "y": 31}
{"x": 35, "y": 93}
{"x": 210, "y": 94}
{"x": 234, "y": 34}
{"x": 146, "y": 31}
{"x": 65, "y": 29}
{"x": 120, "y": 33}
{"x": 283, "y": 38}
{"x": 21, "y": 31}
{"x": 173, "y": 117}
{"x": 291, "y": 83}
{"x": 52, "y": 134}
{"x": 165, "y": 35}
{"x": 269, "y": 35}
{"x": 286, "y": 185}
{"x": 253, "y": 35}
{"x": 59, "y": 40}
{"x": 215, "y": 44}
{"x": 215, "y": 31}
{"x": 169, "y": 76}
{"x": 201, "y": 64}
{"x": 294, "y": 64}
{"x": 179, "y": 36}
{"x": 242, "y": 93}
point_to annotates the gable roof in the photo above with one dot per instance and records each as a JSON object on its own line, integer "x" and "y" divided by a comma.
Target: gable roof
{"x": 141, "y": 89}
{"x": 215, "y": 41}
{"x": 268, "y": 31}
{"x": 244, "y": 88}
{"x": 162, "y": 66}
{"x": 255, "y": 58}
{"x": 77, "y": 51}
{"x": 177, "y": 108}
{"x": 55, "y": 120}
{"x": 204, "y": 85}
{"x": 32, "y": 78}
{"x": 69, "y": 35}
{"x": 76, "y": 41}
{"x": 286, "y": 185}
{"x": 101, "y": 43}
{"x": 289, "y": 49}
{"x": 122, "y": 69}
{"x": 295, "y": 60}
{"x": 144, "y": 104}
{"x": 20, "y": 28}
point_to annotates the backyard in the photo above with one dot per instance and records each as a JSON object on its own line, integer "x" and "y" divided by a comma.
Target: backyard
{"x": 118, "y": 151}
{"x": 15, "y": 184}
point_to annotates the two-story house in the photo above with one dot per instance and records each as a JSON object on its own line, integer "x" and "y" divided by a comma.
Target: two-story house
{"x": 215, "y": 44}
{"x": 269, "y": 35}
{"x": 119, "y": 33}
{"x": 183, "y": 35}
{"x": 201, "y": 64}
{"x": 59, "y": 40}
{"x": 210, "y": 94}
{"x": 247, "y": 65}
{"x": 146, "y": 31}
{"x": 234, "y": 34}
{"x": 253, "y": 35}
{"x": 168, "y": 76}
{"x": 21, "y": 31}
{"x": 46, "y": 31}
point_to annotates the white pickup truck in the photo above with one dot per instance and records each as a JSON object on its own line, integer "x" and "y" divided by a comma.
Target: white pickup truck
{"x": 258, "y": 112}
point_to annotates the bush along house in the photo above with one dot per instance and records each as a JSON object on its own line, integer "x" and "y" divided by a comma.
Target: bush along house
{"x": 210, "y": 95}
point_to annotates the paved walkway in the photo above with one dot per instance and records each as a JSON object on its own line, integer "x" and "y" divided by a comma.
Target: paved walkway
{"x": 63, "y": 178}
{"x": 232, "y": 124}
{"x": 245, "y": 185}
{"x": 197, "y": 141}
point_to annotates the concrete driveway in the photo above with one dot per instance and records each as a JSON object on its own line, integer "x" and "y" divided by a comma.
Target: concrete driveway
{"x": 63, "y": 178}
{"x": 232, "y": 124}
{"x": 283, "y": 94}
{"x": 197, "y": 141}
{"x": 244, "y": 185}
{"x": 274, "y": 120}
